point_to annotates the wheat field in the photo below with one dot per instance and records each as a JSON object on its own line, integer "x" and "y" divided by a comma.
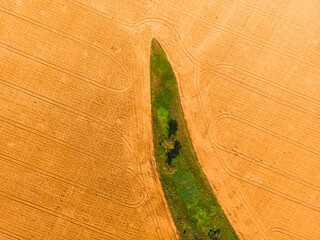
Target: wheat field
{"x": 76, "y": 151}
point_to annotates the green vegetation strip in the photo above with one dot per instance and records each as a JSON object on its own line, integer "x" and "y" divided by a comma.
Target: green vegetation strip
{"x": 195, "y": 209}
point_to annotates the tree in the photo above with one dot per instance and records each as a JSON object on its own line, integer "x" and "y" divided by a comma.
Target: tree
{"x": 173, "y": 127}
{"x": 174, "y": 152}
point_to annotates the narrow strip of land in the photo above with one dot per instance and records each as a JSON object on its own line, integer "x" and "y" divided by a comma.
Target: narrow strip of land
{"x": 195, "y": 209}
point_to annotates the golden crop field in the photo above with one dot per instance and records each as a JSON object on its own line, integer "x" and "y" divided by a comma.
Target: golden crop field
{"x": 76, "y": 151}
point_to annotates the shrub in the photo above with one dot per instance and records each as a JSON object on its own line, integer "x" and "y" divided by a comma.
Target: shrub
{"x": 214, "y": 234}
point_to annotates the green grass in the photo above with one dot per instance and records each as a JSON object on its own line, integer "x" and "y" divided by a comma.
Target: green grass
{"x": 191, "y": 201}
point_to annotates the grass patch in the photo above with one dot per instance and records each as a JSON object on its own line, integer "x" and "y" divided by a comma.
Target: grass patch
{"x": 195, "y": 209}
